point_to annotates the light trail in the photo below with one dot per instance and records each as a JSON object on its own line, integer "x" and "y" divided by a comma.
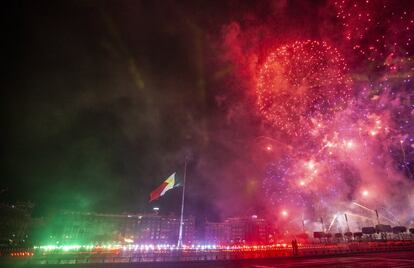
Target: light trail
{"x": 358, "y": 216}
{"x": 372, "y": 210}
{"x": 364, "y": 207}
{"x": 395, "y": 217}
{"x": 332, "y": 222}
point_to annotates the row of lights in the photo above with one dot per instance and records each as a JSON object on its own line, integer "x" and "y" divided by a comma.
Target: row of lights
{"x": 160, "y": 247}
{"x": 21, "y": 254}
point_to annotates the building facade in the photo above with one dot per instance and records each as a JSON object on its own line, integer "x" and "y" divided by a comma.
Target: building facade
{"x": 81, "y": 228}
{"x": 15, "y": 220}
{"x": 217, "y": 233}
{"x": 156, "y": 229}
{"x": 252, "y": 230}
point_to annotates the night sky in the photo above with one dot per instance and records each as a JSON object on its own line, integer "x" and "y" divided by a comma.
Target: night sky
{"x": 103, "y": 100}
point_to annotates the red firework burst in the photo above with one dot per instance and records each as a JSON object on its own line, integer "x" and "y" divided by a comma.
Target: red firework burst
{"x": 300, "y": 84}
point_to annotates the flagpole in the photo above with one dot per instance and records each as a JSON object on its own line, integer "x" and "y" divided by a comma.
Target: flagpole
{"x": 180, "y": 233}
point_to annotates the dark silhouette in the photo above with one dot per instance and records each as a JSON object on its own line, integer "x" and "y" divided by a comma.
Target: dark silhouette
{"x": 295, "y": 247}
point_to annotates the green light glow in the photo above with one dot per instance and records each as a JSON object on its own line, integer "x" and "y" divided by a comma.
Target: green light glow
{"x": 64, "y": 247}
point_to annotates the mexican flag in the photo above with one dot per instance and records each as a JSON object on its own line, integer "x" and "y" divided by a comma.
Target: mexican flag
{"x": 168, "y": 184}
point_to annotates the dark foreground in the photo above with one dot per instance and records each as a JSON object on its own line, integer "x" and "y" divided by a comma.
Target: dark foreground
{"x": 391, "y": 259}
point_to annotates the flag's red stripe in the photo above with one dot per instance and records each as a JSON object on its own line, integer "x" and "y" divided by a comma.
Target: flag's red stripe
{"x": 156, "y": 193}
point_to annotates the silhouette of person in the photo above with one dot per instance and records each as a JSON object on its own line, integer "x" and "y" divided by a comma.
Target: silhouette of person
{"x": 295, "y": 247}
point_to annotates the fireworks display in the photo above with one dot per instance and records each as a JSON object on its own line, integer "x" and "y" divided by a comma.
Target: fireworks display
{"x": 378, "y": 30}
{"x": 296, "y": 111}
{"x": 300, "y": 84}
{"x": 347, "y": 110}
